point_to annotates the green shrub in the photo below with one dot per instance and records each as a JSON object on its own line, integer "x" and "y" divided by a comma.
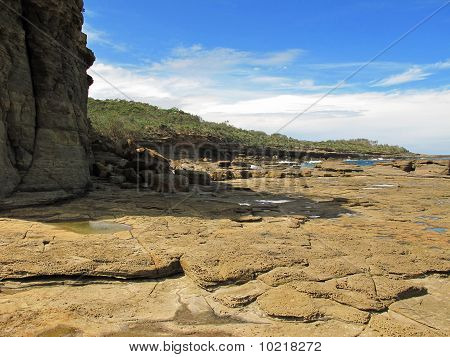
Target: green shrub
{"x": 120, "y": 119}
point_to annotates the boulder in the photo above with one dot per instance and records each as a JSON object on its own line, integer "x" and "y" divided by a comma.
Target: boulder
{"x": 195, "y": 177}
{"x": 101, "y": 170}
{"x": 130, "y": 174}
{"x": 222, "y": 175}
{"x": 405, "y": 165}
{"x": 240, "y": 165}
{"x": 109, "y": 158}
{"x": 248, "y": 219}
{"x": 224, "y": 164}
{"x": 118, "y": 179}
{"x": 148, "y": 159}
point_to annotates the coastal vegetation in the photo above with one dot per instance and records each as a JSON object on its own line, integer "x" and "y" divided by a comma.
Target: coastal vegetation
{"x": 121, "y": 119}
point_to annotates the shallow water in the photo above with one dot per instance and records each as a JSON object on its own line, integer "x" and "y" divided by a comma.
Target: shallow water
{"x": 437, "y": 229}
{"x": 369, "y": 162}
{"x": 273, "y": 201}
{"x": 93, "y": 227}
{"x": 310, "y": 164}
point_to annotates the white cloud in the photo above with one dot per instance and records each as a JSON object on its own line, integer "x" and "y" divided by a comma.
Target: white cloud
{"x": 102, "y": 38}
{"x": 411, "y": 75}
{"x": 310, "y": 85}
{"x": 442, "y": 65}
{"x": 90, "y": 13}
{"x": 415, "y": 119}
{"x": 404, "y": 118}
{"x": 196, "y": 59}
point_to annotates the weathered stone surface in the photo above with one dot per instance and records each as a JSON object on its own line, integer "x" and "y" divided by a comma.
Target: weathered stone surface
{"x": 248, "y": 219}
{"x": 363, "y": 269}
{"x": 287, "y": 302}
{"x": 44, "y": 249}
{"x": 44, "y": 143}
{"x": 431, "y": 168}
{"x": 240, "y": 295}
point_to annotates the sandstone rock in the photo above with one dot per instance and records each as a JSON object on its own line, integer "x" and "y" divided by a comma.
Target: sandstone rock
{"x": 195, "y": 177}
{"x": 351, "y": 263}
{"x": 306, "y": 172}
{"x": 404, "y": 165}
{"x": 131, "y": 175}
{"x": 286, "y": 302}
{"x": 275, "y": 174}
{"x": 361, "y": 291}
{"x": 147, "y": 159}
{"x": 224, "y": 164}
{"x": 44, "y": 143}
{"x": 283, "y": 275}
{"x": 297, "y": 221}
{"x": 117, "y": 180}
{"x": 222, "y": 175}
{"x": 432, "y": 168}
{"x": 328, "y": 290}
{"x": 101, "y": 170}
{"x": 325, "y": 269}
{"x": 241, "y": 295}
{"x": 128, "y": 186}
{"x": 248, "y": 219}
{"x": 108, "y": 157}
{"x": 240, "y": 164}
{"x": 332, "y": 168}
{"x": 334, "y": 310}
{"x": 386, "y": 325}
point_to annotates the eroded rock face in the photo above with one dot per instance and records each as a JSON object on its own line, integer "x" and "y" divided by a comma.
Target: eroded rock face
{"x": 44, "y": 127}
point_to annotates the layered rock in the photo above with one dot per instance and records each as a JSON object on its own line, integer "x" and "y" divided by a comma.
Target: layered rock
{"x": 44, "y": 128}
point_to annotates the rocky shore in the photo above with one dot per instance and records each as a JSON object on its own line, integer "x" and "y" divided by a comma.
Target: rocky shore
{"x": 333, "y": 250}
{"x": 113, "y": 239}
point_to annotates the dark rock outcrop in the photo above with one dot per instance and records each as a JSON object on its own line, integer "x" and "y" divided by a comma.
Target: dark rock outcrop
{"x": 44, "y": 142}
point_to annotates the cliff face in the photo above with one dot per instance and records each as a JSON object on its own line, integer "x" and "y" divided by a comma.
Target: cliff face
{"x": 44, "y": 128}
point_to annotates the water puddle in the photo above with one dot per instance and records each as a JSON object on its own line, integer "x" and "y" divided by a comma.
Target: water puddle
{"x": 367, "y": 162}
{"x": 92, "y": 227}
{"x": 310, "y": 164}
{"x": 264, "y": 202}
{"x": 276, "y": 202}
{"x": 379, "y": 186}
{"x": 437, "y": 229}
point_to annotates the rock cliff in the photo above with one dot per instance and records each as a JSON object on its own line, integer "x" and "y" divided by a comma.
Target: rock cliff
{"x": 44, "y": 128}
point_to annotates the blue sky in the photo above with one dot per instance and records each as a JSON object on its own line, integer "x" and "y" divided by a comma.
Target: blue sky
{"x": 258, "y": 63}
